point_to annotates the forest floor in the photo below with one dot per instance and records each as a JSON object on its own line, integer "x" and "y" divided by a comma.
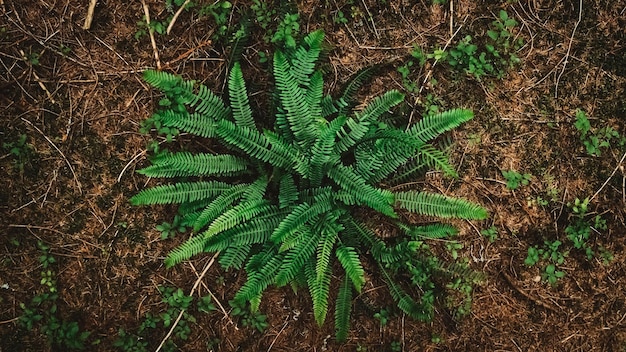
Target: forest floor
{"x": 549, "y": 127}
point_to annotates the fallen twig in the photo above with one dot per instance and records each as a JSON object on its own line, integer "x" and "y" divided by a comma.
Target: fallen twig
{"x": 90, "y": 11}
{"x": 619, "y": 165}
{"x": 180, "y": 10}
{"x": 569, "y": 49}
{"x": 38, "y": 80}
{"x": 119, "y": 178}
{"x": 151, "y": 33}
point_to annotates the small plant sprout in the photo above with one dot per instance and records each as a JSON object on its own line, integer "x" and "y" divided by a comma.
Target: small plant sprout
{"x": 515, "y": 179}
{"x": 20, "y": 150}
{"x": 491, "y": 233}
{"x": 551, "y": 274}
{"x": 169, "y": 230}
{"x": 253, "y": 319}
{"x": 383, "y": 317}
{"x": 595, "y": 140}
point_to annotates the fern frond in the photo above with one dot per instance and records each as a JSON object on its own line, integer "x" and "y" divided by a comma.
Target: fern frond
{"x": 436, "y": 159}
{"x": 404, "y": 301}
{"x": 253, "y": 231}
{"x": 348, "y": 96}
{"x": 281, "y": 124}
{"x": 322, "y": 151}
{"x": 304, "y": 59}
{"x": 330, "y": 229}
{"x": 365, "y": 194}
{"x": 343, "y": 306}
{"x": 359, "y": 126}
{"x": 439, "y": 205}
{"x": 294, "y": 238}
{"x": 363, "y": 235}
{"x": 196, "y": 123}
{"x": 234, "y": 257}
{"x": 229, "y": 219}
{"x": 268, "y": 263}
{"x": 432, "y": 126}
{"x": 238, "y": 214}
{"x": 351, "y": 263}
{"x": 218, "y": 205}
{"x": 162, "y": 80}
{"x": 392, "y": 149}
{"x": 210, "y": 105}
{"x": 172, "y": 85}
{"x": 188, "y": 249}
{"x": 187, "y": 164}
{"x": 435, "y": 231}
{"x": 287, "y": 191}
{"x": 319, "y": 287}
{"x": 461, "y": 270}
{"x": 380, "y": 105}
{"x": 314, "y": 95}
{"x": 281, "y": 146}
{"x": 293, "y": 100}
{"x": 368, "y": 161}
{"x": 256, "y": 191}
{"x": 299, "y": 216}
{"x": 254, "y": 144}
{"x": 182, "y": 192}
{"x": 328, "y": 106}
{"x": 397, "y": 253}
{"x": 242, "y": 114}
{"x": 351, "y": 133}
{"x": 295, "y": 259}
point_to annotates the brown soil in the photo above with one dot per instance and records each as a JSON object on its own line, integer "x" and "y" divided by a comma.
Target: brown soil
{"x": 81, "y": 110}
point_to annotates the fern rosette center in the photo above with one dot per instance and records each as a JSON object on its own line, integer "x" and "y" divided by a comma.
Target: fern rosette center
{"x": 305, "y": 181}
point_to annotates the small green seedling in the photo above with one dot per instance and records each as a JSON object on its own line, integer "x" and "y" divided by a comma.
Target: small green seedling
{"x": 515, "y": 179}
{"x": 206, "y": 305}
{"x": 552, "y": 275}
{"x": 396, "y": 346}
{"x": 550, "y": 251}
{"x": 128, "y": 342}
{"x": 20, "y": 150}
{"x": 248, "y": 318}
{"x": 220, "y": 11}
{"x": 169, "y": 230}
{"x": 383, "y": 317}
{"x": 595, "y": 141}
{"x": 143, "y": 28}
{"x": 287, "y": 31}
{"x": 42, "y": 311}
{"x": 491, "y": 233}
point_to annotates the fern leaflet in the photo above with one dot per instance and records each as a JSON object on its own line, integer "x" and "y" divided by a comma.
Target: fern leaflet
{"x": 438, "y": 205}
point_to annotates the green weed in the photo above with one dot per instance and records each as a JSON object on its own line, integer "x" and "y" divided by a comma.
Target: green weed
{"x": 287, "y": 31}
{"x": 169, "y": 230}
{"x": 595, "y": 140}
{"x": 549, "y": 252}
{"x": 515, "y": 179}
{"x": 264, "y": 14}
{"x": 220, "y": 11}
{"x": 42, "y": 311}
{"x": 490, "y": 234}
{"x": 21, "y": 151}
{"x": 249, "y": 318}
{"x": 383, "y": 317}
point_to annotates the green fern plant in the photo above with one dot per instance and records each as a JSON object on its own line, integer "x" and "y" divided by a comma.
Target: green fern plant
{"x": 285, "y": 203}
